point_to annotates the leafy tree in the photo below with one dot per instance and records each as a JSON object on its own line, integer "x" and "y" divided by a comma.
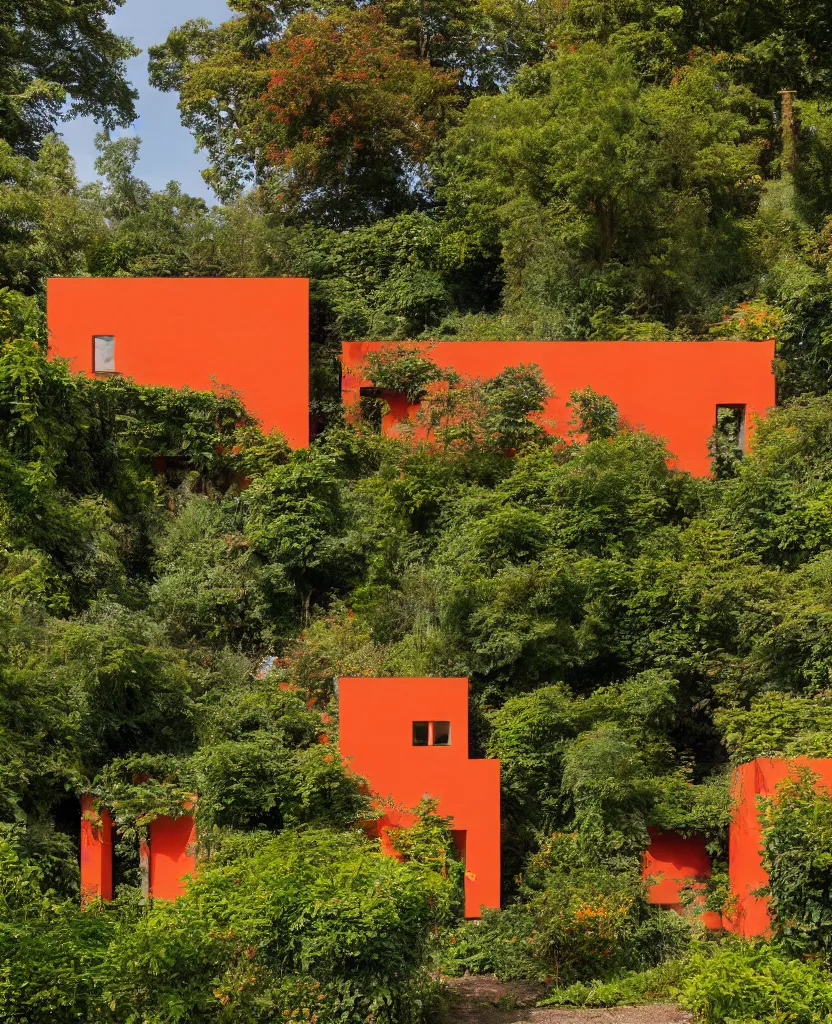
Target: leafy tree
{"x": 337, "y": 118}
{"x": 780, "y": 45}
{"x": 796, "y": 824}
{"x": 50, "y": 52}
{"x": 579, "y": 165}
{"x": 351, "y": 116}
{"x": 46, "y": 223}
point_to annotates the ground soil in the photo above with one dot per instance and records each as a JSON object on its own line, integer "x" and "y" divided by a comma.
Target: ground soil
{"x": 484, "y": 1000}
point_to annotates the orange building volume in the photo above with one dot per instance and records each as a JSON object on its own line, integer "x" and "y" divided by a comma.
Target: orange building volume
{"x": 249, "y": 334}
{"x": 669, "y": 388}
{"x": 409, "y": 739}
{"x": 758, "y": 778}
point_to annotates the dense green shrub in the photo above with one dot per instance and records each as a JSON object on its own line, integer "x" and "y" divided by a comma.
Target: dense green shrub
{"x": 582, "y": 918}
{"x": 501, "y": 943}
{"x": 655, "y": 984}
{"x": 311, "y": 924}
{"x": 797, "y": 854}
{"x": 746, "y": 982}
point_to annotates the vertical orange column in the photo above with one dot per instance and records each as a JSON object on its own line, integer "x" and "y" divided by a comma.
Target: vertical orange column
{"x": 172, "y": 855}
{"x": 96, "y": 852}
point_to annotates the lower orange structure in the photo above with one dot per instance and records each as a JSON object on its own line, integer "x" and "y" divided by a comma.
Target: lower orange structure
{"x": 170, "y": 854}
{"x": 96, "y": 852}
{"x": 409, "y": 739}
{"x": 670, "y": 388}
{"x": 745, "y": 864}
{"x": 672, "y": 862}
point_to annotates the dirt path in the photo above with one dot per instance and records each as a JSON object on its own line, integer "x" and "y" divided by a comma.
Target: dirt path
{"x": 484, "y": 1000}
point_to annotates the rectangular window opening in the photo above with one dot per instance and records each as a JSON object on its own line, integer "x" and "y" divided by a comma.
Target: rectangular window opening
{"x": 431, "y": 734}
{"x": 104, "y": 353}
{"x": 730, "y": 426}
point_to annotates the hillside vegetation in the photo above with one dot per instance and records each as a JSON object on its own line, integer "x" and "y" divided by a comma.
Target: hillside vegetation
{"x": 586, "y": 169}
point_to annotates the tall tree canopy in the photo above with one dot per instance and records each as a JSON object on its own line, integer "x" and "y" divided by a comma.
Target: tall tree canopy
{"x": 51, "y": 51}
{"x": 593, "y": 188}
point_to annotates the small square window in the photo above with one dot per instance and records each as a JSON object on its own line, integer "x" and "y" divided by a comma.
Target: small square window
{"x": 104, "y": 353}
{"x": 441, "y": 734}
{"x": 420, "y": 734}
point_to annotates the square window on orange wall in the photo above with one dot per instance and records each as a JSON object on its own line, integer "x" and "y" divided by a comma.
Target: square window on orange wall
{"x": 421, "y": 732}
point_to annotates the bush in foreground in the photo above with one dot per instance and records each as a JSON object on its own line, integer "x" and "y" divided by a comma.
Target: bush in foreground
{"x": 309, "y": 925}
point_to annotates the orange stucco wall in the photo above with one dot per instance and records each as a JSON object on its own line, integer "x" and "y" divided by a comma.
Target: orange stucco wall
{"x": 96, "y": 852}
{"x": 745, "y": 867}
{"x": 671, "y": 389}
{"x": 172, "y": 855}
{"x": 671, "y": 861}
{"x": 376, "y": 719}
{"x": 250, "y": 334}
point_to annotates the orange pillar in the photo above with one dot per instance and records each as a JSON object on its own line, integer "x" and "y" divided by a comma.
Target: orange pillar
{"x": 96, "y": 852}
{"x": 172, "y": 855}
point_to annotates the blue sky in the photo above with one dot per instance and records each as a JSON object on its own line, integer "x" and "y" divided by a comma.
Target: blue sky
{"x": 167, "y": 150}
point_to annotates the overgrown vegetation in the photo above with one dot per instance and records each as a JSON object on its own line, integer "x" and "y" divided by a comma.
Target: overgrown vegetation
{"x": 591, "y": 169}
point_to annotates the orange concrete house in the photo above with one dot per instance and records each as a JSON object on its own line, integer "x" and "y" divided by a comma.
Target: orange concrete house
{"x": 669, "y": 388}
{"x": 249, "y": 334}
{"x": 409, "y": 739}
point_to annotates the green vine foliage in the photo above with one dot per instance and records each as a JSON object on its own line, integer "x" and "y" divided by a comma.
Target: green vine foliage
{"x": 402, "y": 368}
{"x": 797, "y": 843}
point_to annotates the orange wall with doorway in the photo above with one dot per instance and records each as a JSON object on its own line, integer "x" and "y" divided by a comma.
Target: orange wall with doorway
{"x": 250, "y": 334}
{"x": 376, "y": 734}
{"x": 170, "y": 854}
{"x": 670, "y": 388}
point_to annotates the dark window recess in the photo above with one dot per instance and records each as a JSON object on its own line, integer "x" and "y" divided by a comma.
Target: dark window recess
{"x": 730, "y": 426}
{"x": 104, "y": 353}
{"x": 431, "y": 734}
{"x": 727, "y": 443}
{"x": 441, "y": 734}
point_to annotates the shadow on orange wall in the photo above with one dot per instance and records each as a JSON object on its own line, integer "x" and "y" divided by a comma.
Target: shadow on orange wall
{"x": 250, "y": 334}
{"x": 670, "y": 388}
{"x": 409, "y": 739}
{"x": 672, "y": 862}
